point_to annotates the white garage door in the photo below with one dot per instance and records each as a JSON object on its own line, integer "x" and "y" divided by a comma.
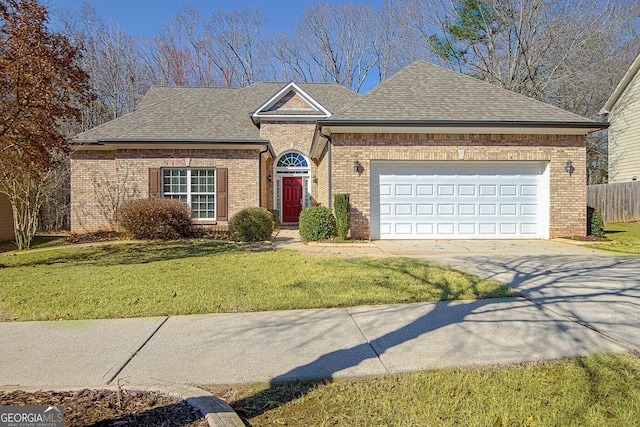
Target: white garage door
{"x": 459, "y": 200}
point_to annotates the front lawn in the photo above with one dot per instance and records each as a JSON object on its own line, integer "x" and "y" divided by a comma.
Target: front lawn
{"x": 132, "y": 279}
{"x": 621, "y": 237}
{"x": 597, "y": 390}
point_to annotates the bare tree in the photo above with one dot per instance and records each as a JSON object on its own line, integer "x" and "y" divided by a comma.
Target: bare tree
{"x": 42, "y": 86}
{"x": 224, "y": 50}
{"x": 118, "y": 76}
{"x": 390, "y": 41}
{"x": 238, "y": 46}
{"x": 339, "y": 40}
{"x": 521, "y": 45}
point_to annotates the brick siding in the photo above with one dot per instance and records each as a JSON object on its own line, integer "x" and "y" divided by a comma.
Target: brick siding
{"x": 102, "y": 180}
{"x": 567, "y": 193}
{"x": 287, "y": 136}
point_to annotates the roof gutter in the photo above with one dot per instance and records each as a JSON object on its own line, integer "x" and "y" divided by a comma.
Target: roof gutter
{"x": 164, "y": 142}
{"x": 465, "y": 123}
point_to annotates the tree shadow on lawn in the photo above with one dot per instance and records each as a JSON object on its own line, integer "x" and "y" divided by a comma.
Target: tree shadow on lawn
{"x": 533, "y": 276}
{"x": 127, "y": 253}
{"x": 38, "y": 242}
{"x": 408, "y": 279}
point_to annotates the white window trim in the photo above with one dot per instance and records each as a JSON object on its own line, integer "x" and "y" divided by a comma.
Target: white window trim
{"x": 189, "y": 193}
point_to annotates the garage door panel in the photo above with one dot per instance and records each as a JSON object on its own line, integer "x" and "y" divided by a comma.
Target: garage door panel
{"x": 403, "y": 190}
{"x": 466, "y": 190}
{"x": 488, "y": 190}
{"x": 509, "y": 210}
{"x": 385, "y": 228}
{"x": 446, "y": 190}
{"x": 510, "y": 229}
{"x": 466, "y": 210}
{"x": 488, "y": 229}
{"x": 467, "y": 229}
{"x": 508, "y": 190}
{"x": 405, "y": 229}
{"x": 446, "y": 228}
{"x": 488, "y": 210}
{"x": 385, "y": 189}
{"x": 424, "y": 190}
{"x": 460, "y": 200}
{"x": 424, "y": 230}
{"x": 424, "y": 209}
{"x": 446, "y": 209}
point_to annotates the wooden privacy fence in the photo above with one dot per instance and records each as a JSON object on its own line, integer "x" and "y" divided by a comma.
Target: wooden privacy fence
{"x": 616, "y": 202}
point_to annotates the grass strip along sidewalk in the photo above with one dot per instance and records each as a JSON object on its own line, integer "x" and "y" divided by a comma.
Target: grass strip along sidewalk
{"x": 596, "y": 390}
{"x": 132, "y": 279}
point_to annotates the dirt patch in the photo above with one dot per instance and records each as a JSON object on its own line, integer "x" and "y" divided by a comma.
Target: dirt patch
{"x": 109, "y": 408}
{"x": 589, "y": 238}
{"x": 97, "y": 236}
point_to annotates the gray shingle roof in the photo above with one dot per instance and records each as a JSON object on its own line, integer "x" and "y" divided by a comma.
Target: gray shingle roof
{"x": 427, "y": 92}
{"x": 213, "y": 114}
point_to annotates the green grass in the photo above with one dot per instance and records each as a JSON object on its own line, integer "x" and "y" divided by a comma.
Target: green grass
{"x": 621, "y": 238}
{"x": 38, "y": 242}
{"x": 597, "y": 390}
{"x": 131, "y": 279}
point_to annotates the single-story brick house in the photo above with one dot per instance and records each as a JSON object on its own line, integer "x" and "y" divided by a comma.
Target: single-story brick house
{"x": 429, "y": 153}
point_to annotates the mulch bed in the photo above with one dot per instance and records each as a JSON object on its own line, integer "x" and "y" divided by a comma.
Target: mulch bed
{"x": 110, "y": 408}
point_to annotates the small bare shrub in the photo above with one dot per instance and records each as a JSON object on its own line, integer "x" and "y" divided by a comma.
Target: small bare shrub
{"x": 157, "y": 218}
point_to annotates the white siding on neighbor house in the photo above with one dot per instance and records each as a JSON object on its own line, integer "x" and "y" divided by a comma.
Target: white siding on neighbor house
{"x": 6, "y": 218}
{"x": 624, "y": 135}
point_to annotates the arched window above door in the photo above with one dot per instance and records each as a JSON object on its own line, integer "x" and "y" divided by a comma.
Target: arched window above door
{"x": 292, "y": 160}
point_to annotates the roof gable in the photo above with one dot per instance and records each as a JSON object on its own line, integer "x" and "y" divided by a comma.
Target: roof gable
{"x": 289, "y": 102}
{"x": 426, "y": 92}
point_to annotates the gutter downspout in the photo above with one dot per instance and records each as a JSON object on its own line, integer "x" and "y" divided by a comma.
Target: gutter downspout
{"x": 330, "y": 144}
{"x": 266, "y": 150}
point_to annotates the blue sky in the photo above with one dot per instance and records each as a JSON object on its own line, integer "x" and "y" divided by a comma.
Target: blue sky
{"x": 145, "y": 17}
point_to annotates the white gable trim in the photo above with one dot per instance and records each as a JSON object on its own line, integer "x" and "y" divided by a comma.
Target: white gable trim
{"x": 622, "y": 86}
{"x": 262, "y": 111}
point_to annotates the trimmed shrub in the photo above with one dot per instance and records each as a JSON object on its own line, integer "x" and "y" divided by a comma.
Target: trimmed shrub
{"x": 342, "y": 208}
{"x": 276, "y": 216}
{"x": 157, "y": 218}
{"x": 252, "y": 225}
{"x": 316, "y": 223}
{"x": 595, "y": 222}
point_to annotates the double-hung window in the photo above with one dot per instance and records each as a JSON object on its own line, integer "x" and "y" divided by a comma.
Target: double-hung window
{"x": 195, "y": 187}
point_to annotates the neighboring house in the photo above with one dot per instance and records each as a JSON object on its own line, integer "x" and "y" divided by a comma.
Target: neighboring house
{"x": 427, "y": 154}
{"x": 623, "y": 112}
{"x": 6, "y": 219}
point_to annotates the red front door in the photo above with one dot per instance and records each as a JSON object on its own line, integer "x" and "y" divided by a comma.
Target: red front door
{"x": 291, "y": 198}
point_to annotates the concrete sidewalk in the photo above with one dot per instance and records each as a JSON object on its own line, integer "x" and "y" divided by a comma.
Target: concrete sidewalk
{"x": 250, "y": 347}
{"x": 576, "y": 301}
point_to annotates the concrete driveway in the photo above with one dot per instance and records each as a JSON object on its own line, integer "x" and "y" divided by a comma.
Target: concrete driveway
{"x": 593, "y": 288}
